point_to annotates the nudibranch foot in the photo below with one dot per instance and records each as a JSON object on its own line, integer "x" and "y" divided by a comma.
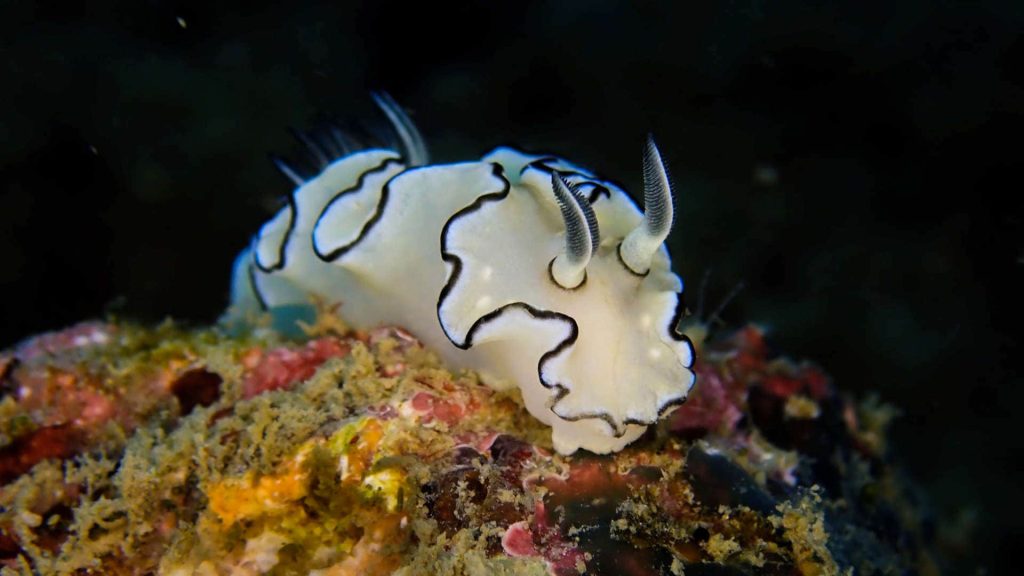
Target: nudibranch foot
{"x": 545, "y": 277}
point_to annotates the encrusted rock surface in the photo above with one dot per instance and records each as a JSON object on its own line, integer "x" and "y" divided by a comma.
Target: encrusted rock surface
{"x": 131, "y": 450}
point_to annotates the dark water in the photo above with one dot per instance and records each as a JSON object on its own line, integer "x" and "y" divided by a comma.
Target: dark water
{"x": 859, "y": 169}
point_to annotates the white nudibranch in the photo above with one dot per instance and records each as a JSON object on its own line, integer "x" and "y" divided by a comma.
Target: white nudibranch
{"x": 530, "y": 270}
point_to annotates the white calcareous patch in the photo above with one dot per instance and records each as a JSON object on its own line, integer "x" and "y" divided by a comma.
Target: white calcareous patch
{"x": 527, "y": 268}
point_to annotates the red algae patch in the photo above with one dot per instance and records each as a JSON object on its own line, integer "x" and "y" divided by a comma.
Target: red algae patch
{"x": 126, "y": 450}
{"x": 283, "y": 367}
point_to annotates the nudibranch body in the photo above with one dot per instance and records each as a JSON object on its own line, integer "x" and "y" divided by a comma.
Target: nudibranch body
{"x": 530, "y": 270}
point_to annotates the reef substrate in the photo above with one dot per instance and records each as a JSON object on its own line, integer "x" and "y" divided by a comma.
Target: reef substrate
{"x": 164, "y": 450}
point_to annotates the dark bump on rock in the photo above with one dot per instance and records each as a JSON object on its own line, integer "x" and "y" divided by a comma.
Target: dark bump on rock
{"x": 59, "y": 441}
{"x": 7, "y": 383}
{"x": 510, "y": 454}
{"x": 716, "y": 481}
{"x": 9, "y": 548}
{"x": 646, "y": 473}
{"x": 466, "y": 456}
{"x": 445, "y": 498}
{"x": 196, "y": 387}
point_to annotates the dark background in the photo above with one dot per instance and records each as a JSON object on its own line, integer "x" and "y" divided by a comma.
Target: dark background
{"x": 858, "y": 168}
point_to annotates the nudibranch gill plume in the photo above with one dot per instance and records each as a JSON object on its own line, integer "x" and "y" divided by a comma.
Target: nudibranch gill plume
{"x": 528, "y": 269}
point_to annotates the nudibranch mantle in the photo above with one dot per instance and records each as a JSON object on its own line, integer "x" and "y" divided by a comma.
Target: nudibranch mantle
{"x": 544, "y": 276}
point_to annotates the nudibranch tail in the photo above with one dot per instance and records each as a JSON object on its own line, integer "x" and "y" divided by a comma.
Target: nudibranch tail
{"x": 414, "y": 148}
{"x": 569, "y": 269}
{"x": 640, "y": 244}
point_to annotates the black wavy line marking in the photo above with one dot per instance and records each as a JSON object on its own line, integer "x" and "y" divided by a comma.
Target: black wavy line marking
{"x": 378, "y": 211}
{"x": 560, "y": 390}
{"x": 597, "y": 191}
{"x": 499, "y": 172}
{"x": 597, "y": 183}
{"x": 251, "y": 273}
{"x": 618, "y": 255}
{"x": 551, "y": 277}
{"x": 673, "y": 328}
{"x": 673, "y": 331}
{"x": 289, "y": 232}
{"x": 292, "y": 213}
{"x": 545, "y": 156}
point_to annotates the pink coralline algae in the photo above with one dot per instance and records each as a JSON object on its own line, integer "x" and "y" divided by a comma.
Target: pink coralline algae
{"x": 282, "y": 367}
{"x": 81, "y": 335}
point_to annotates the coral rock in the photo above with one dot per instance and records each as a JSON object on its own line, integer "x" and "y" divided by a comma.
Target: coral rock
{"x": 126, "y": 450}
